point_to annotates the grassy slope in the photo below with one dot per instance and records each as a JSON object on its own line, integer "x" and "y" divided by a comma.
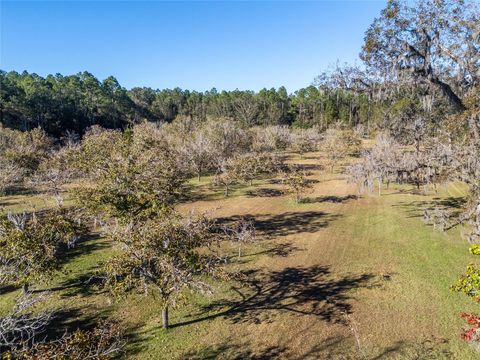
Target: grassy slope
{"x": 372, "y": 258}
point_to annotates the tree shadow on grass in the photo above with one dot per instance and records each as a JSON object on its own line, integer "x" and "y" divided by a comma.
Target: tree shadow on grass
{"x": 311, "y": 167}
{"x": 67, "y": 321}
{"x": 330, "y": 348}
{"x": 8, "y": 289}
{"x": 85, "y": 246}
{"x": 288, "y": 223}
{"x": 263, "y": 192}
{"x": 20, "y": 190}
{"x": 333, "y": 348}
{"x": 278, "y": 249}
{"x": 432, "y": 348}
{"x": 233, "y": 351}
{"x": 85, "y": 284}
{"x": 82, "y": 284}
{"x": 71, "y": 319}
{"x": 451, "y": 202}
{"x": 329, "y": 198}
{"x": 281, "y": 250}
{"x": 275, "y": 181}
{"x": 308, "y": 291}
{"x": 415, "y": 209}
{"x": 192, "y": 193}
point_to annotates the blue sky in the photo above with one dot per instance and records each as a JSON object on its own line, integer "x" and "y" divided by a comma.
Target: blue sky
{"x": 193, "y": 45}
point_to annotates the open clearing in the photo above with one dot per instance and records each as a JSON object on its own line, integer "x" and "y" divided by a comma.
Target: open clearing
{"x": 323, "y": 271}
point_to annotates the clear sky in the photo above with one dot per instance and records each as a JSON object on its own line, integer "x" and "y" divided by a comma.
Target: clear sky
{"x": 193, "y": 45}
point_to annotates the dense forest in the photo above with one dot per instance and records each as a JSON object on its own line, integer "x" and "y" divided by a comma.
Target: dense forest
{"x": 58, "y": 103}
{"x": 157, "y": 198}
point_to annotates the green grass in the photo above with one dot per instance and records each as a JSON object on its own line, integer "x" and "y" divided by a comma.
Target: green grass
{"x": 373, "y": 258}
{"x": 422, "y": 264}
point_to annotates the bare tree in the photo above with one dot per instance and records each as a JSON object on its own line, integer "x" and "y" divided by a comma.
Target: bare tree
{"x": 200, "y": 152}
{"x": 304, "y": 140}
{"x": 427, "y": 161}
{"x": 10, "y": 174}
{"x": 227, "y": 137}
{"x": 297, "y": 182}
{"x": 163, "y": 256}
{"x": 20, "y": 155}
{"x": 270, "y": 138}
{"x": 241, "y": 233}
{"x": 362, "y": 175}
{"x": 227, "y": 176}
{"x": 382, "y": 160}
{"x": 104, "y": 341}
{"x": 55, "y": 171}
{"x": 246, "y": 167}
{"x": 23, "y": 324}
{"x": 467, "y": 165}
{"x": 337, "y": 145}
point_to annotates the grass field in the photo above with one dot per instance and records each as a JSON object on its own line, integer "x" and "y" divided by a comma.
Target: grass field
{"x": 335, "y": 277}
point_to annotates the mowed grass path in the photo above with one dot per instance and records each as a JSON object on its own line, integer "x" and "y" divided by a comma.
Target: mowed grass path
{"x": 322, "y": 271}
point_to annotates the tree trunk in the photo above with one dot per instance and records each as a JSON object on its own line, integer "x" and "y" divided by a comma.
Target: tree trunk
{"x": 368, "y": 115}
{"x": 199, "y": 176}
{"x": 226, "y": 191}
{"x": 25, "y": 289}
{"x": 455, "y": 101}
{"x": 165, "y": 317}
{"x": 145, "y": 287}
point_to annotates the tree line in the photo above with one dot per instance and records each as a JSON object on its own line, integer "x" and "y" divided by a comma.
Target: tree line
{"x": 58, "y": 103}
